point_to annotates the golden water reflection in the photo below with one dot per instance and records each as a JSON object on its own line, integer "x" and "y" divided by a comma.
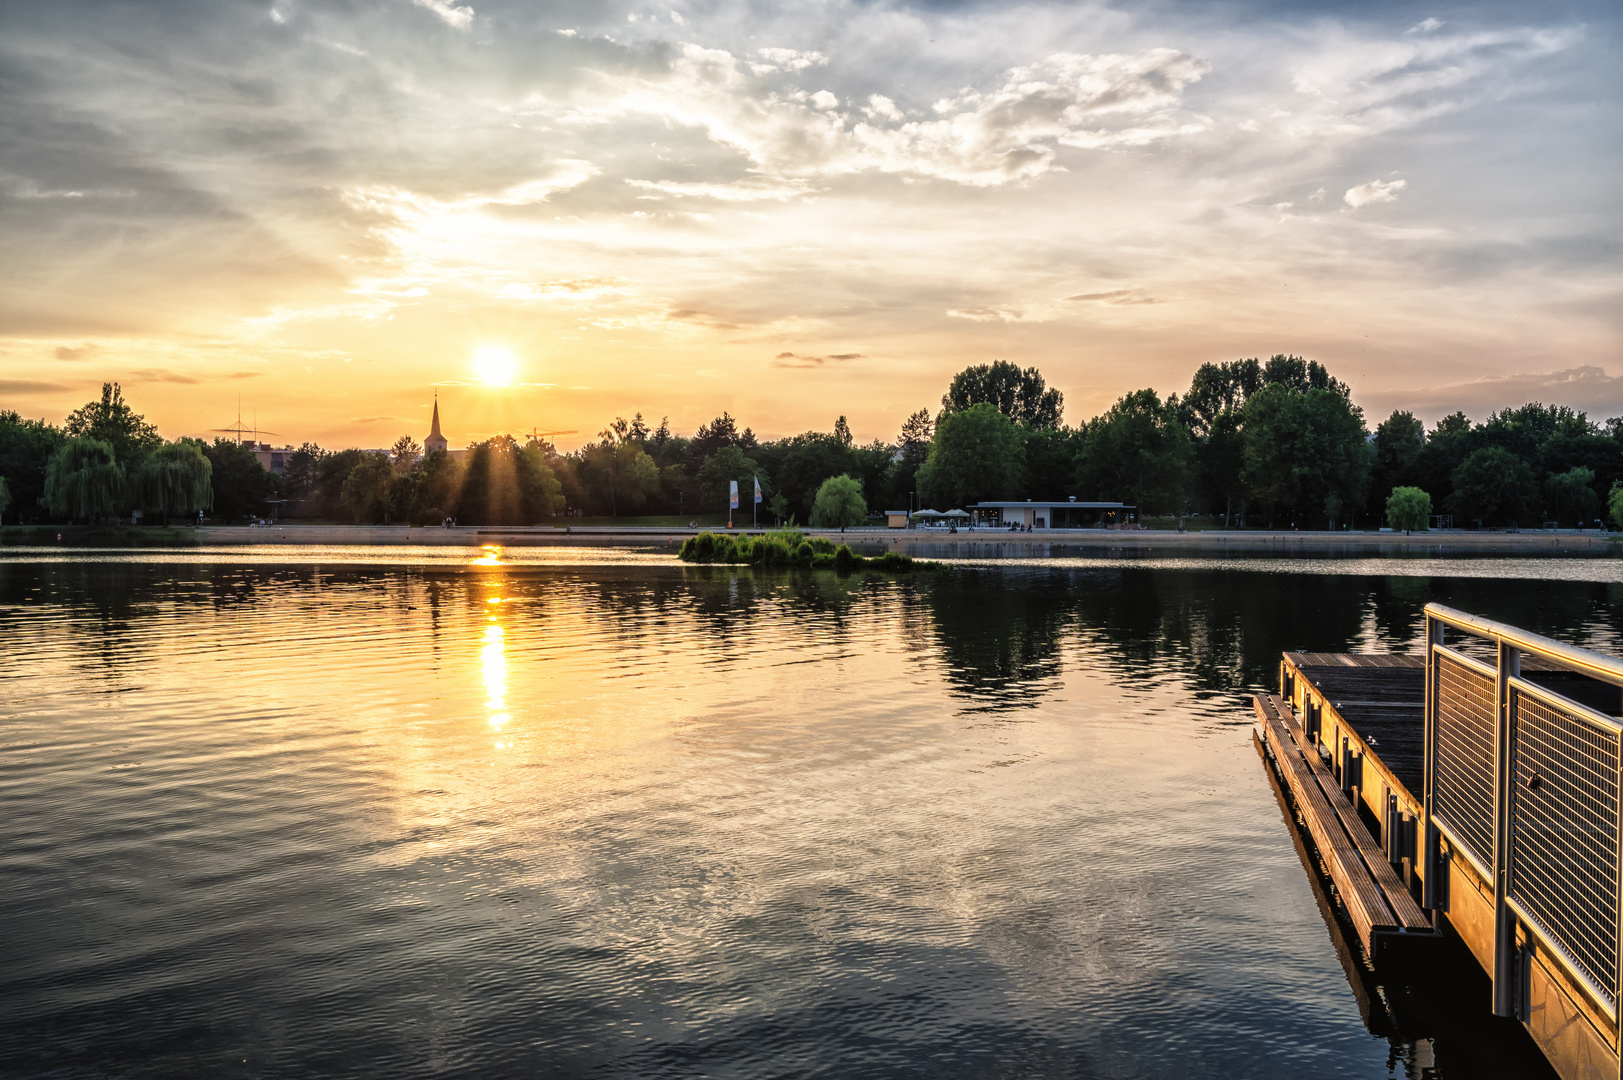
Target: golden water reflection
{"x": 493, "y": 659}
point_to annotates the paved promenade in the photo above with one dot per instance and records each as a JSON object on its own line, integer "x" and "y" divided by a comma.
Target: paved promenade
{"x": 970, "y": 544}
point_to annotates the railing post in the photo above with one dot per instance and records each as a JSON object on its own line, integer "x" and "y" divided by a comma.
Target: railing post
{"x": 1504, "y": 797}
{"x": 1431, "y": 890}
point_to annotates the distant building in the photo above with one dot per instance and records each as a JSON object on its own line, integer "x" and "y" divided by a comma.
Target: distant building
{"x": 1053, "y": 515}
{"x": 435, "y": 440}
{"x": 271, "y": 460}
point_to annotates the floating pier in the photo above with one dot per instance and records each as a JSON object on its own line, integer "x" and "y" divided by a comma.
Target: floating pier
{"x": 1475, "y": 789}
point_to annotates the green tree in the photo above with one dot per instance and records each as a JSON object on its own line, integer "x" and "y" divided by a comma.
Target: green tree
{"x": 332, "y": 469}
{"x": 241, "y": 484}
{"x": 621, "y": 472}
{"x": 506, "y": 484}
{"x": 1022, "y": 396}
{"x": 1051, "y": 457}
{"x": 368, "y": 490}
{"x": 1306, "y": 451}
{"x": 1399, "y": 441}
{"x": 441, "y": 487}
{"x": 1408, "y": 508}
{"x": 404, "y": 453}
{"x": 539, "y": 487}
{"x": 1569, "y": 497}
{"x": 83, "y": 480}
{"x": 918, "y": 431}
{"x": 176, "y": 478}
{"x": 724, "y": 466}
{"x": 5, "y": 497}
{"x": 26, "y": 447}
{"x": 839, "y": 503}
{"x": 1614, "y": 503}
{"x": 1493, "y": 486}
{"x": 300, "y": 474}
{"x": 809, "y": 459}
{"x": 1138, "y": 452}
{"x": 778, "y": 505}
{"x": 113, "y": 422}
{"x": 977, "y": 454}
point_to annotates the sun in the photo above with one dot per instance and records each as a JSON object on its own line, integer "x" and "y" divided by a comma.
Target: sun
{"x": 495, "y": 365}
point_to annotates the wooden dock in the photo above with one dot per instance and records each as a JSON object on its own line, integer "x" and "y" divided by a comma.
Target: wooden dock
{"x": 1346, "y": 739}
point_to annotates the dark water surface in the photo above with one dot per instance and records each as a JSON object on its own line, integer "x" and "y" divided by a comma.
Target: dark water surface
{"x": 648, "y": 820}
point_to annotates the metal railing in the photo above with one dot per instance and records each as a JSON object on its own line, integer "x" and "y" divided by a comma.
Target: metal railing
{"x": 1527, "y": 786}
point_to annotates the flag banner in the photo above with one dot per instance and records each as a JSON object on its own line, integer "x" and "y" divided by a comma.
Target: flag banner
{"x": 757, "y": 480}
{"x": 733, "y": 494}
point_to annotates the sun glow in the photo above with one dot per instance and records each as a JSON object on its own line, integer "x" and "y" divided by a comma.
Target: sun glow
{"x": 495, "y": 365}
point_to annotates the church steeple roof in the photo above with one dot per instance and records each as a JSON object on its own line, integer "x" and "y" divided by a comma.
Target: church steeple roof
{"x": 435, "y": 440}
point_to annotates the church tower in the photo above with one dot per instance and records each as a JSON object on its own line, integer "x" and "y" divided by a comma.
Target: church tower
{"x": 435, "y": 440}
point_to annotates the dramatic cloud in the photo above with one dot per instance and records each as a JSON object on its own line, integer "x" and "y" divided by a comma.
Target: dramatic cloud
{"x": 641, "y": 203}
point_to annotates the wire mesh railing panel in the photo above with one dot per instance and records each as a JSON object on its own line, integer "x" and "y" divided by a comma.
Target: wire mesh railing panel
{"x": 1564, "y": 832}
{"x": 1462, "y": 783}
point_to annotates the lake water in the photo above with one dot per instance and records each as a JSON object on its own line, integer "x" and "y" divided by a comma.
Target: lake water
{"x": 543, "y": 813}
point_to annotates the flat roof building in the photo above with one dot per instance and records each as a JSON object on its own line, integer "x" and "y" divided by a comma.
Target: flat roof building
{"x": 1069, "y": 514}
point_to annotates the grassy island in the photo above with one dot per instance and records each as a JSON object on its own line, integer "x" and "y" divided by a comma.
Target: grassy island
{"x": 789, "y": 547}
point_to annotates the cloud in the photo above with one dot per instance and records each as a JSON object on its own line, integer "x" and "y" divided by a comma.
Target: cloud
{"x": 30, "y": 386}
{"x": 702, "y": 318}
{"x": 1425, "y": 26}
{"x": 786, "y": 60}
{"x": 986, "y": 314}
{"x": 455, "y": 15}
{"x": 1376, "y": 191}
{"x": 1587, "y": 388}
{"x": 162, "y": 375}
{"x": 245, "y": 375}
{"x": 76, "y": 352}
{"x": 1115, "y": 297}
{"x": 795, "y": 360}
{"x": 381, "y": 419}
{"x": 751, "y": 190}
{"x": 1007, "y": 133}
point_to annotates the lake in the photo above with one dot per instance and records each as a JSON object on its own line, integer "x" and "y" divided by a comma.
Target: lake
{"x": 305, "y": 812}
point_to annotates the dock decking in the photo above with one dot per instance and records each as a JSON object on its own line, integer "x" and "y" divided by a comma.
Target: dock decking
{"x": 1476, "y": 784}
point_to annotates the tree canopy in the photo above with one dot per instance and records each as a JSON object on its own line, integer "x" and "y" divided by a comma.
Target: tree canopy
{"x": 112, "y": 421}
{"x": 1139, "y": 452}
{"x": 1022, "y": 396}
{"x": 176, "y": 478}
{"x": 978, "y": 454}
{"x": 839, "y": 503}
{"x": 83, "y": 480}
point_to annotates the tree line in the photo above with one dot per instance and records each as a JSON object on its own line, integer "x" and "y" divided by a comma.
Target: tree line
{"x": 1276, "y": 442}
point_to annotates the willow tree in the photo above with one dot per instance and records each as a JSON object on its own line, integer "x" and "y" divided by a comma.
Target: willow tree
{"x": 175, "y": 479}
{"x": 83, "y": 480}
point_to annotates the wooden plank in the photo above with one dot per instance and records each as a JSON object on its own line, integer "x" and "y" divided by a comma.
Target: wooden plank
{"x": 1397, "y": 896}
{"x": 1366, "y": 907}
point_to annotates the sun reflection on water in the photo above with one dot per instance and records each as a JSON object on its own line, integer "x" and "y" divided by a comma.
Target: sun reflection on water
{"x": 490, "y": 555}
{"x": 494, "y": 658}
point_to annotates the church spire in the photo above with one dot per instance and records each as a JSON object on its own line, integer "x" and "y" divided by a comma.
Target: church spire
{"x": 435, "y": 440}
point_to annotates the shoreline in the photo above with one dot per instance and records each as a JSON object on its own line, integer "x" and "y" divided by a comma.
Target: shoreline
{"x": 990, "y": 544}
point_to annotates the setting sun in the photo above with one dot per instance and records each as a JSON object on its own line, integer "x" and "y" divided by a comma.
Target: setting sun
{"x": 495, "y": 365}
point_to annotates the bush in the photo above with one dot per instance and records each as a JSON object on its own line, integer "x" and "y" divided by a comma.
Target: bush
{"x": 786, "y": 548}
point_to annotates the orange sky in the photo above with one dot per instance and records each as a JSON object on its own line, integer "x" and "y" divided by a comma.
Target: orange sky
{"x": 793, "y": 216}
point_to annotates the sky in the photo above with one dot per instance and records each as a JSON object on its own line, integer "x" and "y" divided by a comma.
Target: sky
{"x": 325, "y": 214}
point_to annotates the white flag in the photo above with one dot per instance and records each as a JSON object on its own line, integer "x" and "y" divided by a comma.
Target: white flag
{"x": 757, "y": 480}
{"x": 732, "y": 494}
